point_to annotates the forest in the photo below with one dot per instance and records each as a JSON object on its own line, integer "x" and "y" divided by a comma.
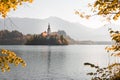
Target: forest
{"x": 17, "y": 38}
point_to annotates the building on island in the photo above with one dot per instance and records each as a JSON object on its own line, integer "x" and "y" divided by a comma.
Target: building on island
{"x": 48, "y": 31}
{"x": 48, "y": 38}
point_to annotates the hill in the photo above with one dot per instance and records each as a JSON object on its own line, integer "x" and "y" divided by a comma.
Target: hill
{"x": 11, "y": 37}
{"x": 75, "y": 30}
{"x": 17, "y": 38}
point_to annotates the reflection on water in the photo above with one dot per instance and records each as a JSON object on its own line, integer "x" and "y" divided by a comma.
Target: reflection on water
{"x": 55, "y": 62}
{"x": 49, "y": 60}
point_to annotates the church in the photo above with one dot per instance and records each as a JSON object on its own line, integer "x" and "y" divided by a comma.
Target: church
{"x": 47, "y": 33}
{"x": 48, "y": 30}
{"x": 48, "y": 38}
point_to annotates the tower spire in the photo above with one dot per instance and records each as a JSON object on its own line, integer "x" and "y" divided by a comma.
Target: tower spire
{"x": 48, "y": 30}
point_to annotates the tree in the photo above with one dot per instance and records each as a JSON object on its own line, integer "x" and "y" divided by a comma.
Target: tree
{"x": 110, "y": 9}
{"x": 112, "y": 71}
{"x": 8, "y": 57}
{"x": 107, "y": 8}
{"x": 7, "y": 5}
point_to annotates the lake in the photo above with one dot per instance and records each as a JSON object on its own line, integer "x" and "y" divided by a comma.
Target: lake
{"x": 55, "y": 62}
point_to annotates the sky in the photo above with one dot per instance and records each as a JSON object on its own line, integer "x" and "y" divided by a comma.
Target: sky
{"x": 64, "y": 9}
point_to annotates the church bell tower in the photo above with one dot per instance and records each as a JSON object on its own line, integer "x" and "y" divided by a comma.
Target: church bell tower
{"x": 48, "y": 30}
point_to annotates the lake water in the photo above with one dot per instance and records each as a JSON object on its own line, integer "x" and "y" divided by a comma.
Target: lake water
{"x": 55, "y": 62}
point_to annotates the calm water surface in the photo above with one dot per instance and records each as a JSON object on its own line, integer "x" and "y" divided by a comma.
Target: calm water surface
{"x": 55, "y": 62}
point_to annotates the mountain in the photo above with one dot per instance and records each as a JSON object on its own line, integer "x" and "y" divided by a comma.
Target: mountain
{"x": 36, "y": 26}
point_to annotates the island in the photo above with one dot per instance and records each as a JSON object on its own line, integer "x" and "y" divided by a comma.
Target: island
{"x": 47, "y": 38}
